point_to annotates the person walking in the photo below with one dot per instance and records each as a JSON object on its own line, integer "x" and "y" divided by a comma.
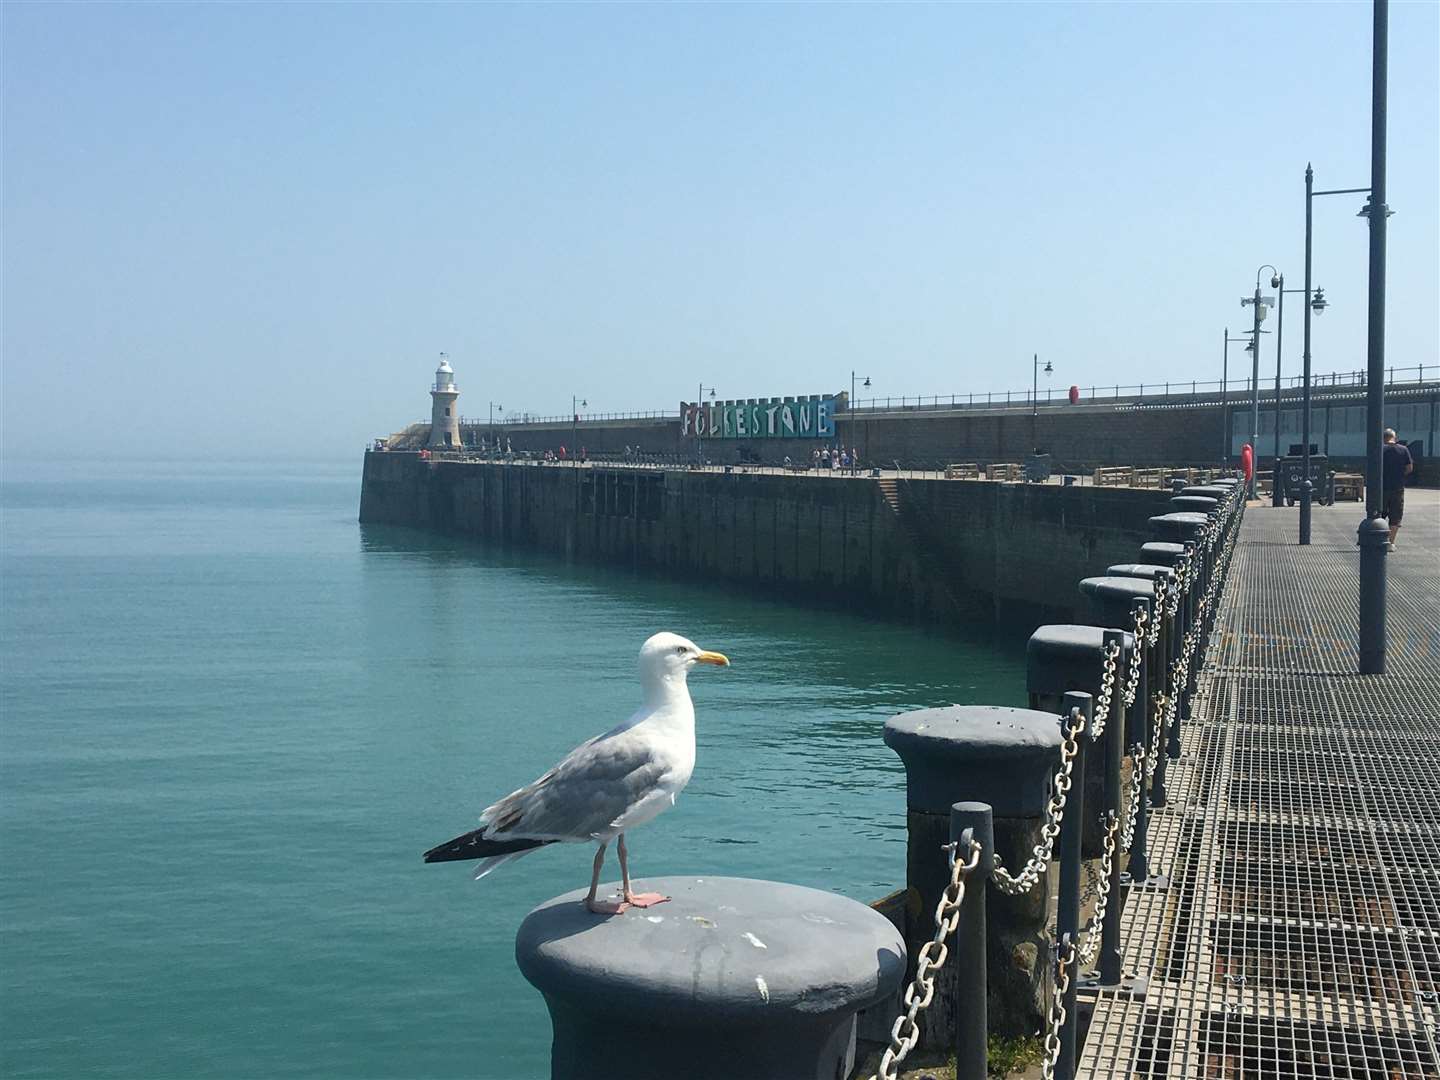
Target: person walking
{"x": 1395, "y": 464}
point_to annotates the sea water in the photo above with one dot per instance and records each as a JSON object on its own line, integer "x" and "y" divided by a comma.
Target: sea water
{"x": 231, "y": 719}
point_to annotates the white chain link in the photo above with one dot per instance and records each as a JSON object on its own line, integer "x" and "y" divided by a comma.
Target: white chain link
{"x": 1159, "y": 703}
{"x": 1054, "y": 813}
{"x": 1137, "y": 788}
{"x": 1109, "y": 662}
{"x": 1064, "y": 962}
{"x": 906, "y": 1031}
{"x": 1102, "y": 902}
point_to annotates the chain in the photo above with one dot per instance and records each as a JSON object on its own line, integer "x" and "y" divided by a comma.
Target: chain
{"x": 1159, "y": 704}
{"x": 1065, "y": 959}
{"x": 1154, "y": 635}
{"x": 1102, "y": 902}
{"x": 1132, "y": 812}
{"x": 933, "y": 954}
{"x": 1109, "y": 662}
{"x": 1054, "y": 814}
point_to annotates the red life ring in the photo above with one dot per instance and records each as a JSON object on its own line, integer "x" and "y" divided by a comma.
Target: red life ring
{"x": 1074, "y": 395}
{"x": 1247, "y": 460}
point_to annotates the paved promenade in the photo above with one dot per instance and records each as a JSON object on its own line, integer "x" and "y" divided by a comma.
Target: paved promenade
{"x": 1299, "y": 935}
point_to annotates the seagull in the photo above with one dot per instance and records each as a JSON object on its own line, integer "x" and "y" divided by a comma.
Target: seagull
{"x": 603, "y": 787}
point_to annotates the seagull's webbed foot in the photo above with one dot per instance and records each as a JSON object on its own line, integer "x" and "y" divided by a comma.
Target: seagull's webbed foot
{"x": 607, "y": 907}
{"x": 645, "y": 899}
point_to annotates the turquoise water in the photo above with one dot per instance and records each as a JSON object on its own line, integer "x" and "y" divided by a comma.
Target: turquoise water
{"x": 233, "y": 719}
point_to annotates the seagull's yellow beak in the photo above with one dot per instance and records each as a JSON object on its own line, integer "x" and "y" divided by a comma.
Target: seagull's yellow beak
{"x": 716, "y": 658}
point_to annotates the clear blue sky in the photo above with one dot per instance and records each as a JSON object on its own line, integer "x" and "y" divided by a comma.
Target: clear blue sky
{"x": 254, "y": 227}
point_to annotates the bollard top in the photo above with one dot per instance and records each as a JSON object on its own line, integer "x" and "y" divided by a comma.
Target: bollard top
{"x": 988, "y": 753}
{"x": 1210, "y": 491}
{"x": 1117, "y": 587}
{"x": 722, "y": 949}
{"x": 1162, "y": 552}
{"x": 1180, "y": 524}
{"x": 1067, "y": 657}
{"x": 1149, "y": 571}
{"x": 1201, "y": 504}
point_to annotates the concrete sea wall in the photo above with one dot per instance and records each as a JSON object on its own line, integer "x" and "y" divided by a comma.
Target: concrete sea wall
{"x": 934, "y": 550}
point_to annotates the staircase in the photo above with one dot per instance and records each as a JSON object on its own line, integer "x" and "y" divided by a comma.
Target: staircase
{"x": 930, "y": 568}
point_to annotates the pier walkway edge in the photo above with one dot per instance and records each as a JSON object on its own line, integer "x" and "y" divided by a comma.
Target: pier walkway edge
{"x": 1299, "y": 935}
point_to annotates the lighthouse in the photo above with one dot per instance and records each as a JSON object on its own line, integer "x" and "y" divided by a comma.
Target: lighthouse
{"x": 444, "y": 417}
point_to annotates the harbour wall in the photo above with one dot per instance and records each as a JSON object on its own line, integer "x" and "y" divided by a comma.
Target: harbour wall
{"x": 945, "y": 551}
{"x": 1183, "y": 430}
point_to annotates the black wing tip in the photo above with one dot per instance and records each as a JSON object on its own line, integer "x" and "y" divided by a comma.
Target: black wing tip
{"x": 475, "y": 845}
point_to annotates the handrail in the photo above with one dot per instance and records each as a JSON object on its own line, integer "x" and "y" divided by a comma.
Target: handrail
{"x": 1135, "y": 395}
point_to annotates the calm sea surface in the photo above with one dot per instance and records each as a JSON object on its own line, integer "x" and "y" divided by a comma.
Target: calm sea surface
{"x": 231, "y": 719}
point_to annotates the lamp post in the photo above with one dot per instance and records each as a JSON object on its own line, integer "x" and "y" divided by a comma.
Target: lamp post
{"x": 1225, "y": 395}
{"x": 1306, "y": 487}
{"x": 1035, "y": 399}
{"x": 700, "y": 442}
{"x": 1258, "y": 303}
{"x": 576, "y": 404}
{"x": 865, "y": 384}
{"x": 1374, "y": 530}
{"x": 1317, "y": 304}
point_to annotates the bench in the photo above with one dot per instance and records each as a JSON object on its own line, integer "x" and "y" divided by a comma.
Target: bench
{"x": 1349, "y": 486}
{"x": 962, "y": 472}
{"x": 1006, "y": 471}
{"x": 1116, "y": 476}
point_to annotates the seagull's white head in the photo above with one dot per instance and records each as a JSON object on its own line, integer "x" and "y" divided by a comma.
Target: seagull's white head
{"x": 665, "y": 658}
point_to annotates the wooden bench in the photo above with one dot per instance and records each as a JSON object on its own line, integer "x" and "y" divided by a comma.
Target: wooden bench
{"x": 1006, "y": 471}
{"x": 962, "y": 472}
{"x": 1148, "y": 478}
{"x": 1115, "y": 476}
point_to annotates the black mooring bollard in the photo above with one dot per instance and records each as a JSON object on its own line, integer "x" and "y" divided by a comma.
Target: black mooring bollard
{"x": 732, "y": 977}
{"x": 1067, "y": 915}
{"x": 972, "y": 820}
{"x": 1071, "y": 657}
{"x": 1004, "y": 757}
{"x": 1117, "y": 601}
{"x": 1168, "y": 648}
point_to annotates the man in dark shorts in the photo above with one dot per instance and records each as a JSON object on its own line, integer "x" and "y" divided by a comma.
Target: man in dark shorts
{"x": 1395, "y": 464}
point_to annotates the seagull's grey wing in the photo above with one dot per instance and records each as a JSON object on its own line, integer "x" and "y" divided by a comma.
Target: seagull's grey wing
{"x": 593, "y": 786}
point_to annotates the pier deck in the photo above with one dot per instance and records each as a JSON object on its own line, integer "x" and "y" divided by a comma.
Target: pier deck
{"x": 1299, "y": 934}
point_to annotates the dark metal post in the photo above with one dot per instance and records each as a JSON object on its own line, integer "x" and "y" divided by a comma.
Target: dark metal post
{"x": 1225, "y": 399}
{"x": 972, "y": 820}
{"x": 1255, "y": 398}
{"x": 1372, "y": 552}
{"x": 1067, "y": 915}
{"x": 1112, "y": 954}
{"x": 1160, "y": 666}
{"x": 1306, "y": 487}
{"x": 1275, "y": 489}
{"x": 1138, "y": 735}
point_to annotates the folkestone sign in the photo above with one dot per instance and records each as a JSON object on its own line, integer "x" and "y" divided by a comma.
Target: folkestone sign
{"x": 812, "y": 418}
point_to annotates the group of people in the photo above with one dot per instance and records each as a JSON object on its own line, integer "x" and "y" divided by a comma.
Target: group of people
{"x": 496, "y": 446}
{"x": 835, "y": 457}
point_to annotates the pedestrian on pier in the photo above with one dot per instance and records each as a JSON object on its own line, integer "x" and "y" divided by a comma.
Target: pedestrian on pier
{"x": 1396, "y": 464}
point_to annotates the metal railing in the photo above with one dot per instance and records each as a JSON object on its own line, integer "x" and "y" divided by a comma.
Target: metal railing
{"x": 1194, "y": 391}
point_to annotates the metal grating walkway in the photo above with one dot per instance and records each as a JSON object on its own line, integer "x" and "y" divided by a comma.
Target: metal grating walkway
{"x": 1299, "y": 936}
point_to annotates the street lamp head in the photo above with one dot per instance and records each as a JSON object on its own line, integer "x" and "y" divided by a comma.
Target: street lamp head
{"x": 1250, "y": 346}
{"x": 1277, "y": 280}
{"x": 866, "y": 383}
{"x": 712, "y": 391}
{"x": 1319, "y": 304}
{"x": 1049, "y": 368}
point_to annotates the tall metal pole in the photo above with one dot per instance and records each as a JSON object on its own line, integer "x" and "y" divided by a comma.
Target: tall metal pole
{"x": 1275, "y": 485}
{"x": 1374, "y": 531}
{"x": 1255, "y": 398}
{"x": 1225, "y": 399}
{"x": 1306, "y": 487}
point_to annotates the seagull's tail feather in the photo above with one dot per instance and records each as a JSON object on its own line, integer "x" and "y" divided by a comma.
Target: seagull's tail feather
{"x": 494, "y": 863}
{"x": 476, "y": 845}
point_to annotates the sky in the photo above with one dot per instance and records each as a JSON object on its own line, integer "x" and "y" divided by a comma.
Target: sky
{"x": 251, "y": 229}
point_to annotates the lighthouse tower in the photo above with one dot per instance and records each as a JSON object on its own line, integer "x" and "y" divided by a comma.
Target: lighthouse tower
{"x": 444, "y": 417}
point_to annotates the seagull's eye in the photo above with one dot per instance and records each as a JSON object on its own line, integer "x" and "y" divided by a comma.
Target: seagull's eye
{"x": 680, "y": 649}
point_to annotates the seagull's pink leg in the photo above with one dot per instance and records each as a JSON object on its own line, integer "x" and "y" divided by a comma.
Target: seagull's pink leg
{"x": 641, "y": 900}
{"x": 602, "y": 907}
